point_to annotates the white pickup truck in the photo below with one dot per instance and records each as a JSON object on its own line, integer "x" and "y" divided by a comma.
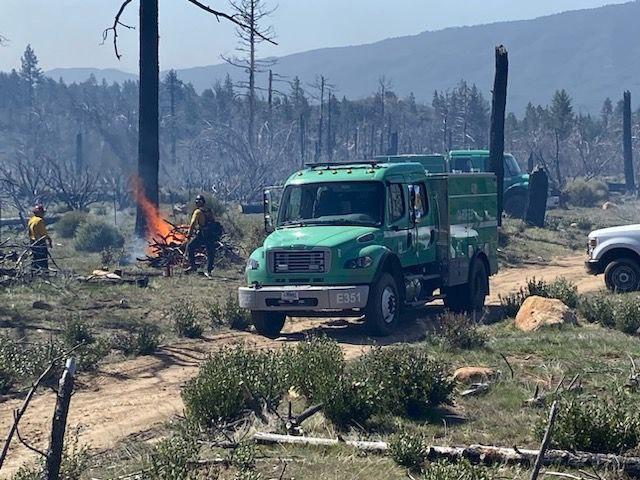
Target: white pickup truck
{"x": 615, "y": 252}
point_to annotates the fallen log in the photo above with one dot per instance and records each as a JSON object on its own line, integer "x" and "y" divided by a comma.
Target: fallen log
{"x": 478, "y": 454}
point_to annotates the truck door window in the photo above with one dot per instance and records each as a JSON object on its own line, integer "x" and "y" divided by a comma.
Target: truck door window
{"x": 396, "y": 202}
{"x": 421, "y": 202}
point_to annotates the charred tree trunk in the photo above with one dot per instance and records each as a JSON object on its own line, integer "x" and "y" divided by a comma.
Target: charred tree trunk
{"x": 303, "y": 142}
{"x": 320, "y": 121}
{"x": 627, "y": 144}
{"x": 498, "y": 108}
{"x": 393, "y": 144}
{"x": 537, "y": 197}
{"x": 148, "y": 142}
{"x": 79, "y": 163}
{"x": 59, "y": 424}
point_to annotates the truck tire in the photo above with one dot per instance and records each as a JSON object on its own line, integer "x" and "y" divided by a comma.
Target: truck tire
{"x": 515, "y": 205}
{"x": 622, "y": 275}
{"x": 469, "y": 297}
{"x": 268, "y": 324}
{"x": 382, "y": 314}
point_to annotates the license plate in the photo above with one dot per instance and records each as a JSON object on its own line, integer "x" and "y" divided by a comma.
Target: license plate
{"x": 290, "y": 296}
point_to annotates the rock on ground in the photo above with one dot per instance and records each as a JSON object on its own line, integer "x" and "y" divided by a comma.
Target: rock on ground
{"x": 470, "y": 375}
{"x": 538, "y": 312}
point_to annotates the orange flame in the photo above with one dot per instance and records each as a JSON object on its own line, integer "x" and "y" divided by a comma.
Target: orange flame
{"x": 157, "y": 228}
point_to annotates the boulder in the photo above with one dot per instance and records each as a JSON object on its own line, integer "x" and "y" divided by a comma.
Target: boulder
{"x": 538, "y": 312}
{"x": 609, "y": 206}
{"x": 470, "y": 375}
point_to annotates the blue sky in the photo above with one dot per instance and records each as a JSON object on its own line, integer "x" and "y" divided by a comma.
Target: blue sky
{"x": 67, "y": 33}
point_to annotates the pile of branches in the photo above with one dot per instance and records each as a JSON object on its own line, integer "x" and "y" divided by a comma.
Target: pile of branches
{"x": 168, "y": 251}
{"x": 14, "y": 264}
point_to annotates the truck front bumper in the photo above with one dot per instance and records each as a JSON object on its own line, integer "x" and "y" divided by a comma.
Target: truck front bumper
{"x": 594, "y": 267}
{"x": 301, "y": 298}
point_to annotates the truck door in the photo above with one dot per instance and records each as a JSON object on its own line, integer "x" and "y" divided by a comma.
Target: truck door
{"x": 400, "y": 236}
{"x": 422, "y": 218}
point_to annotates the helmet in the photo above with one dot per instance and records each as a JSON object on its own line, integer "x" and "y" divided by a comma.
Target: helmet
{"x": 38, "y": 209}
{"x": 200, "y": 201}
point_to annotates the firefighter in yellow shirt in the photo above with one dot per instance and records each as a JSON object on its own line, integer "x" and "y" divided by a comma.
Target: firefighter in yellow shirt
{"x": 204, "y": 231}
{"x": 40, "y": 240}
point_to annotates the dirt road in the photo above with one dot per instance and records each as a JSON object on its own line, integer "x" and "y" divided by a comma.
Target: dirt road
{"x": 133, "y": 396}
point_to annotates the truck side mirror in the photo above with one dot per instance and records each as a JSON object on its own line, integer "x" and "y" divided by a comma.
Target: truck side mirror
{"x": 269, "y": 224}
{"x": 412, "y": 204}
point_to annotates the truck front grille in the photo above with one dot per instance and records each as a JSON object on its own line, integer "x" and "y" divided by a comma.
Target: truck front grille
{"x": 300, "y": 261}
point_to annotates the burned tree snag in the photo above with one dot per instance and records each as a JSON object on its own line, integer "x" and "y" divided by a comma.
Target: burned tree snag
{"x": 59, "y": 423}
{"x": 627, "y": 143}
{"x": 537, "y": 197}
{"x": 393, "y": 144}
{"x": 79, "y": 161}
{"x": 148, "y": 124}
{"x": 498, "y": 108}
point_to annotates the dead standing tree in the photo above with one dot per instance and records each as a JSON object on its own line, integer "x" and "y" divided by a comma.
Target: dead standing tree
{"x": 627, "y": 141}
{"x": 498, "y": 107}
{"x": 148, "y": 118}
{"x": 251, "y": 13}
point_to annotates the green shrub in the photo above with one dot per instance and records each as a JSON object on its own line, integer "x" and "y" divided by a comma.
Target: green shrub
{"x": 96, "y": 236}
{"x": 586, "y": 193}
{"x": 408, "y": 450}
{"x": 76, "y": 332}
{"x": 626, "y": 313}
{"x": 459, "y": 331}
{"x": 445, "y": 470}
{"x": 236, "y": 317}
{"x": 68, "y": 223}
{"x": 317, "y": 367}
{"x": 215, "y": 313}
{"x": 560, "y": 288}
{"x": 91, "y": 350}
{"x": 584, "y": 223}
{"x": 234, "y": 380}
{"x": 228, "y": 314}
{"x": 171, "y": 459}
{"x": 112, "y": 256}
{"x": 608, "y": 424}
{"x": 597, "y": 308}
{"x": 143, "y": 340}
{"x": 564, "y": 290}
{"x": 621, "y": 312}
{"x": 6, "y": 380}
{"x": 398, "y": 380}
{"x": 185, "y": 320}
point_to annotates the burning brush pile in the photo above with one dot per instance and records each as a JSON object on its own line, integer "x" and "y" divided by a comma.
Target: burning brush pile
{"x": 167, "y": 242}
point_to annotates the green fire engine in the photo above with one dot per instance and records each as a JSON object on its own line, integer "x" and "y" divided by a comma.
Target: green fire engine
{"x": 372, "y": 239}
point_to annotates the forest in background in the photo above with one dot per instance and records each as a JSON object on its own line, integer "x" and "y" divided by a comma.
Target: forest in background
{"x": 77, "y": 143}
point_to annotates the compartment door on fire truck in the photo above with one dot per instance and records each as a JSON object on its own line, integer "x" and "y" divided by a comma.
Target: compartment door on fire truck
{"x": 424, "y": 224}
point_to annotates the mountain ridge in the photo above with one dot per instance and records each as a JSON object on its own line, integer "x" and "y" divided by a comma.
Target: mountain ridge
{"x": 591, "y": 53}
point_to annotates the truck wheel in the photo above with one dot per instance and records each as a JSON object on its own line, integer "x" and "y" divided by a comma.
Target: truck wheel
{"x": 383, "y": 308}
{"x": 268, "y": 324}
{"x": 469, "y": 297}
{"x": 515, "y": 205}
{"x": 622, "y": 276}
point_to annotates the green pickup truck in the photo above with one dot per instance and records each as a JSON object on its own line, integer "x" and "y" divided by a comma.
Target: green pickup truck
{"x": 371, "y": 239}
{"x": 516, "y": 183}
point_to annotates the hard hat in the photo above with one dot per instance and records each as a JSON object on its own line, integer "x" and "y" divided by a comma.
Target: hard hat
{"x": 200, "y": 200}
{"x": 38, "y": 208}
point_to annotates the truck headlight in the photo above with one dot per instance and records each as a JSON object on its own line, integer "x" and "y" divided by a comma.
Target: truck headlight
{"x": 360, "y": 262}
{"x": 252, "y": 264}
